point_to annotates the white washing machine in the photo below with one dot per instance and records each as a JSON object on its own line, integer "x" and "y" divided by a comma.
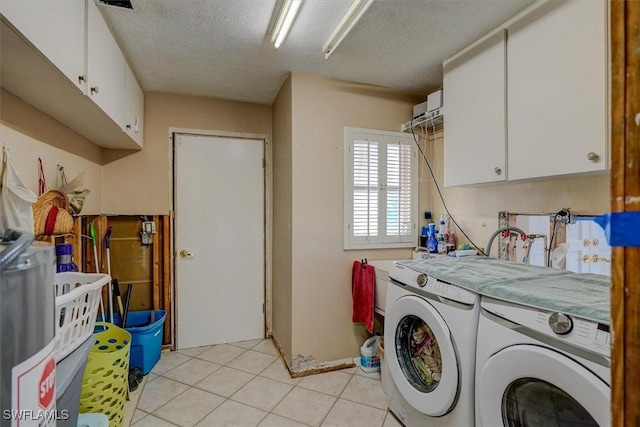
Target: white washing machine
{"x": 540, "y": 368}
{"x": 430, "y": 336}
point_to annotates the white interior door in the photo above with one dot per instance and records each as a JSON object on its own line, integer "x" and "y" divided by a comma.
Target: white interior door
{"x": 219, "y": 240}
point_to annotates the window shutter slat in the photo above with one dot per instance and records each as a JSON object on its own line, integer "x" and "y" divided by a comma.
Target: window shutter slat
{"x": 380, "y": 174}
{"x": 365, "y": 188}
{"x": 399, "y": 218}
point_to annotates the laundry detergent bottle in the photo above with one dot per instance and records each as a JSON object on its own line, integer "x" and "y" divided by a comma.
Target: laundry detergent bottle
{"x": 432, "y": 241}
{"x": 369, "y": 358}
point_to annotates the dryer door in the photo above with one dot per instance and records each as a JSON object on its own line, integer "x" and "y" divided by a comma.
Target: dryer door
{"x": 421, "y": 356}
{"x": 529, "y": 385}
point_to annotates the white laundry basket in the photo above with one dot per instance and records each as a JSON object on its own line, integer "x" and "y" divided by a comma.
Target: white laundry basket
{"x": 77, "y": 299}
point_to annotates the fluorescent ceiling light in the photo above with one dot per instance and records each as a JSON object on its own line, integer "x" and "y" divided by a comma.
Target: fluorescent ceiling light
{"x": 287, "y": 14}
{"x": 348, "y": 21}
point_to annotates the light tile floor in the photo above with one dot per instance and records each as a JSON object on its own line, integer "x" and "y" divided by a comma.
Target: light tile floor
{"x": 246, "y": 384}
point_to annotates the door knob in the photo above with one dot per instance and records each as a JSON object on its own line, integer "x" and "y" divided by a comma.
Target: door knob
{"x": 186, "y": 254}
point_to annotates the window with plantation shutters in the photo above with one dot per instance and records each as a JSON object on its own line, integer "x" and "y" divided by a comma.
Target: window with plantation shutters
{"x": 380, "y": 189}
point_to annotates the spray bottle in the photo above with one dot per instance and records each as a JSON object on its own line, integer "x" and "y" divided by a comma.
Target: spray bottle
{"x": 441, "y": 235}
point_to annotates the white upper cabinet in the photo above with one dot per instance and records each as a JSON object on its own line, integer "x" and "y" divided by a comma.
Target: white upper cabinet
{"x": 134, "y": 107}
{"x": 60, "y": 57}
{"x": 540, "y": 97}
{"x": 56, "y": 28}
{"x": 105, "y": 67}
{"x": 557, "y": 90}
{"x": 474, "y": 135}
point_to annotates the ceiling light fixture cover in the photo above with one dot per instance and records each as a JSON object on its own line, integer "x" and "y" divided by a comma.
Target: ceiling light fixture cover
{"x": 346, "y": 24}
{"x": 287, "y": 14}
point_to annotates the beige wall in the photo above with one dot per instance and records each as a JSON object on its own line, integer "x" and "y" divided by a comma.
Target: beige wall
{"x": 476, "y": 208}
{"x": 321, "y": 276}
{"x": 141, "y": 183}
{"x": 282, "y": 213}
{"x": 30, "y": 134}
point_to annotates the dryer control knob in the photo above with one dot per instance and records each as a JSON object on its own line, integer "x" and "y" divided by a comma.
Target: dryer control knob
{"x": 421, "y": 280}
{"x": 560, "y": 323}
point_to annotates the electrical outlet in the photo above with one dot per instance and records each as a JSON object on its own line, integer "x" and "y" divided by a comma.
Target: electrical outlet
{"x": 149, "y": 227}
{"x": 147, "y": 238}
{"x": 148, "y": 230}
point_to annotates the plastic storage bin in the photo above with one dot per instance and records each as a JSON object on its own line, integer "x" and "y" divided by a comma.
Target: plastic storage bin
{"x": 105, "y": 380}
{"x": 146, "y": 338}
{"x": 77, "y": 299}
{"x": 69, "y": 374}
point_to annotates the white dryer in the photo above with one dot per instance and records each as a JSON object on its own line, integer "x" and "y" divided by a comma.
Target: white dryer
{"x": 540, "y": 368}
{"x": 430, "y": 336}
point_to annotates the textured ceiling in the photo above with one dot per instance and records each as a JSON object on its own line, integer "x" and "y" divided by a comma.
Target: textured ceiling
{"x": 221, "y": 48}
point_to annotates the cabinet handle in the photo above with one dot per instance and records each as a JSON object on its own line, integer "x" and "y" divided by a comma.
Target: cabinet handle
{"x": 95, "y": 90}
{"x": 128, "y": 127}
{"x": 82, "y": 78}
{"x": 592, "y": 156}
{"x": 497, "y": 170}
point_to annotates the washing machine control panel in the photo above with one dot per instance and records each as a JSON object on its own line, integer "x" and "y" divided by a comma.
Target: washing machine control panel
{"x": 585, "y": 334}
{"x": 430, "y": 284}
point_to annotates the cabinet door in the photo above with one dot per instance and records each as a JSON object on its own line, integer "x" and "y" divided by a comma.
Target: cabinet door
{"x": 557, "y": 94}
{"x": 105, "y": 67}
{"x": 474, "y": 131}
{"x": 134, "y": 107}
{"x": 56, "y": 28}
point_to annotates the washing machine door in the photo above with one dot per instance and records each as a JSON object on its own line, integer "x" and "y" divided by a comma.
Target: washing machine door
{"x": 529, "y": 385}
{"x": 421, "y": 356}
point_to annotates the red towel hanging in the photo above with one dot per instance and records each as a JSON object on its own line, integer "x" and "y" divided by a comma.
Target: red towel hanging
{"x": 363, "y": 280}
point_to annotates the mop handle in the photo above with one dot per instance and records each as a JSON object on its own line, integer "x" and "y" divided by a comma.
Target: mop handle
{"x": 92, "y": 233}
{"x": 107, "y": 236}
{"x": 106, "y": 244}
{"x": 95, "y": 259}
